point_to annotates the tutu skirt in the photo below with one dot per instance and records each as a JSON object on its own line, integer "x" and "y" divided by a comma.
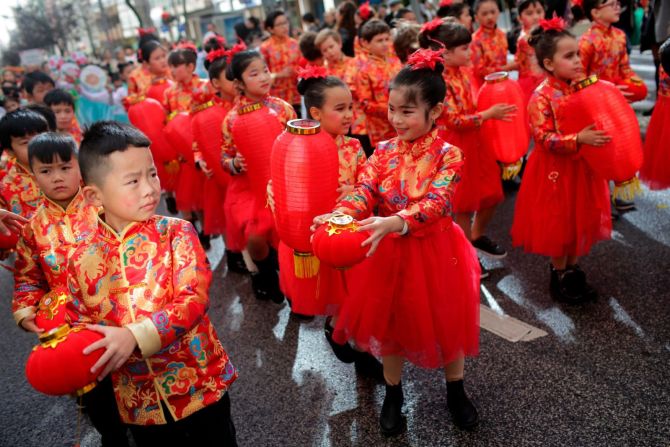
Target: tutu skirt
{"x": 262, "y": 223}
{"x": 213, "y": 202}
{"x": 480, "y": 186}
{"x": 655, "y": 172}
{"x": 562, "y": 207}
{"x": 188, "y": 193}
{"x": 416, "y": 297}
{"x": 320, "y": 295}
{"x": 238, "y": 212}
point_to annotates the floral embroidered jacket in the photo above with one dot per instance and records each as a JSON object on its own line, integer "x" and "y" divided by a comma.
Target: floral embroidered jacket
{"x": 527, "y": 60}
{"x": 153, "y": 278}
{"x": 544, "y": 109}
{"x": 139, "y": 81}
{"x": 75, "y": 130}
{"x": 340, "y": 68}
{"x": 663, "y": 83}
{"x": 279, "y": 54}
{"x": 351, "y": 157}
{"x": 357, "y": 63}
{"x": 460, "y": 110}
{"x": 489, "y": 52}
{"x": 603, "y": 53}
{"x": 19, "y": 192}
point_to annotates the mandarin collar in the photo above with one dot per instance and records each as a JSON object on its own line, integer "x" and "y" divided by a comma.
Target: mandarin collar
{"x": 418, "y": 146}
{"x": 109, "y": 233}
{"x": 556, "y": 83}
{"x": 75, "y": 204}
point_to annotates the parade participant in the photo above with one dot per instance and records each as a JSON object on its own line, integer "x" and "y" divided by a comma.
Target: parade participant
{"x": 281, "y": 54}
{"x": 489, "y": 44}
{"x": 412, "y": 304}
{"x": 329, "y": 42}
{"x": 142, "y": 281}
{"x": 35, "y": 85}
{"x": 406, "y": 40}
{"x": 562, "y": 208}
{"x": 371, "y": 81}
{"x": 310, "y": 52}
{"x": 248, "y": 226}
{"x": 530, "y": 73}
{"x": 358, "y": 126}
{"x": 11, "y": 99}
{"x": 479, "y": 190}
{"x": 154, "y": 68}
{"x": 459, "y": 10}
{"x": 62, "y": 105}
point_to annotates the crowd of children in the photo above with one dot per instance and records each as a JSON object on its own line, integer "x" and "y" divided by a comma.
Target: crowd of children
{"x": 400, "y": 103}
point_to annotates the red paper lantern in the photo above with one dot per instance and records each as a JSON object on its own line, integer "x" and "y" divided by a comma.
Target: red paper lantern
{"x": 179, "y": 133}
{"x": 157, "y": 90}
{"x": 338, "y": 242}
{"x": 8, "y": 241}
{"x": 254, "y": 133}
{"x": 305, "y": 171}
{"x": 637, "y": 87}
{"x": 508, "y": 140}
{"x": 207, "y": 120}
{"x": 51, "y": 312}
{"x": 601, "y": 103}
{"x": 149, "y": 117}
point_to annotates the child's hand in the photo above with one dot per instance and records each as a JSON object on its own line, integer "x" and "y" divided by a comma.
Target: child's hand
{"x": 344, "y": 191}
{"x": 205, "y": 169}
{"x": 240, "y": 163}
{"x": 380, "y": 227}
{"x": 593, "y": 137}
{"x": 271, "y": 196}
{"x": 29, "y": 325}
{"x": 119, "y": 343}
{"x": 624, "y": 90}
{"x": 320, "y": 220}
{"x": 503, "y": 112}
{"x": 10, "y": 222}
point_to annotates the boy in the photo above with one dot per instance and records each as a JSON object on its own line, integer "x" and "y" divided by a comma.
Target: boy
{"x": 36, "y": 85}
{"x": 329, "y": 42}
{"x": 489, "y": 44}
{"x": 62, "y": 105}
{"x": 372, "y": 80}
{"x": 19, "y": 192}
{"x": 142, "y": 281}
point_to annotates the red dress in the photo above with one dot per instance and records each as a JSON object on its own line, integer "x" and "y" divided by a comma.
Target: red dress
{"x": 323, "y": 294}
{"x": 562, "y": 208}
{"x": 530, "y": 73}
{"x": 480, "y": 185}
{"x": 418, "y": 296}
{"x": 655, "y": 172}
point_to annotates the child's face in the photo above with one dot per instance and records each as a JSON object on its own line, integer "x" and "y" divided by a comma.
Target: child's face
{"x": 9, "y": 76}
{"x": 58, "y": 180}
{"x": 566, "y": 64}
{"x": 281, "y": 27}
{"x": 11, "y": 105}
{"x": 465, "y": 18}
{"x": 40, "y": 90}
{"x": 409, "y": 16}
{"x": 20, "y": 148}
{"x": 158, "y": 61}
{"x": 182, "y": 72}
{"x": 410, "y": 120}
{"x": 458, "y": 56}
{"x": 487, "y": 14}
{"x": 130, "y": 190}
{"x": 331, "y": 50}
{"x": 608, "y": 12}
{"x": 336, "y": 114}
{"x": 126, "y": 72}
{"x": 224, "y": 86}
{"x": 531, "y": 16}
{"x": 256, "y": 79}
{"x": 64, "y": 116}
{"x": 380, "y": 44}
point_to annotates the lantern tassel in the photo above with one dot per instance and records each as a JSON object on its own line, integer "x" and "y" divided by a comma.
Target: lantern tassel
{"x": 509, "y": 171}
{"x": 305, "y": 265}
{"x": 627, "y": 190}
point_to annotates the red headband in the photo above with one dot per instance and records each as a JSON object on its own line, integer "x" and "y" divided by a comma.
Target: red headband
{"x": 579, "y": 3}
{"x": 187, "y": 46}
{"x": 312, "y": 71}
{"x": 425, "y": 58}
{"x": 217, "y": 54}
{"x": 557, "y": 24}
{"x": 365, "y": 11}
{"x": 240, "y": 46}
{"x": 432, "y": 25}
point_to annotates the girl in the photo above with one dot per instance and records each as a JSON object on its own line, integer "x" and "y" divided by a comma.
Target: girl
{"x": 530, "y": 73}
{"x": 154, "y": 68}
{"x": 409, "y": 303}
{"x": 282, "y": 54}
{"x": 562, "y": 208}
{"x": 245, "y": 223}
{"x": 460, "y": 11}
{"x": 480, "y": 189}
{"x": 346, "y": 26}
{"x": 489, "y": 44}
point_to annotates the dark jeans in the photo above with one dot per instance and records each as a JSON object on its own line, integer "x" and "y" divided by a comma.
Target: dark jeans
{"x": 100, "y": 406}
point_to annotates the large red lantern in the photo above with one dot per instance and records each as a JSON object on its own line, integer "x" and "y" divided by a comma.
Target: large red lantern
{"x": 637, "y": 87}
{"x": 305, "y": 171}
{"x": 601, "y": 103}
{"x": 158, "y": 88}
{"x": 179, "y": 133}
{"x": 655, "y": 171}
{"x": 508, "y": 139}
{"x": 207, "y": 120}
{"x": 254, "y": 133}
{"x": 338, "y": 243}
{"x": 8, "y": 241}
{"x": 191, "y": 181}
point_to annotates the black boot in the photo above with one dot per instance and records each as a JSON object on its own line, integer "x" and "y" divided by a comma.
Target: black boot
{"x": 235, "y": 262}
{"x": 463, "y": 412}
{"x": 391, "y": 421}
{"x": 565, "y": 286}
{"x": 587, "y": 291}
{"x": 171, "y": 205}
{"x": 344, "y": 353}
{"x": 367, "y": 365}
{"x": 265, "y": 282}
{"x": 204, "y": 240}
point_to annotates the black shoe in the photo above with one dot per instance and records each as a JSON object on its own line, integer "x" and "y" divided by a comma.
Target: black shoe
{"x": 235, "y": 262}
{"x": 367, "y": 365}
{"x": 171, "y": 205}
{"x": 484, "y": 273}
{"x": 587, "y": 291}
{"x": 648, "y": 112}
{"x": 463, "y": 412}
{"x": 487, "y": 247}
{"x": 615, "y": 214}
{"x": 344, "y": 353}
{"x": 565, "y": 286}
{"x": 623, "y": 205}
{"x": 301, "y": 317}
{"x": 391, "y": 421}
{"x": 265, "y": 282}
{"x": 204, "y": 241}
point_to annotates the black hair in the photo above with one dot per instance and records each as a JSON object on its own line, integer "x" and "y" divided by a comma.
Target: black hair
{"x": 254, "y": 21}
{"x": 308, "y": 17}
{"x": 308, "y": 48}
{"x": 213, "y": 43}
{"x": 314, "y": 90}
{"x": 240, "y": 62}
{"x": 423, "y": 85}
{"x": 218, "y": 65}
{"x": 19, "y": 123}
{"x": 525, "y": 4}
{"x": 182, "y": 56}
{"x": 589, "y": 5}
{"x": 453, "y": 10}
{"x": 479, "y": 3}
{"x": 450, "y": 34}
{"x": 12, "y": 93}
{"x": 270, "y": 19}
{"x": 147, "y": 47}
{"x": 47, "y": 145}
{"x": 46, "y": 113}
{"x": 577, "y": 13}
{"x": 401, "y": 12}
{"x": 373, "y": 28}
{"x": 346, "y": 18}
{"x": 36, "y": 77}
{"x": 58, "y": 96}
{"x": 545, "y": 42}
{"x": 101, "y": 140}
{"x": 664, "y": 53}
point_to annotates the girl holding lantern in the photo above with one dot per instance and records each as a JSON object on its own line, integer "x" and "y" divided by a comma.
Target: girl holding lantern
{"x": 403, "y": 309}
{"x": 562, "y": 208}
{"x": 250, "y": 129}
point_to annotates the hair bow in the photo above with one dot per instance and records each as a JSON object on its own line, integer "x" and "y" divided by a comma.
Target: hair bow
{"x": 365, "y": 11}
{"x": 187, "y": 46}
{"x": 238, "y": 47}
{"x": 557, "y": 24}
{"x": 432, "y": 25}
{"x": 579, "y": 3}
{"x": 312, "y": 71}
{"x": 445, "y": 3}
{"x": 146, "y": 31}
{"x": 217, "y": 54}
{"x": 425, "y": 58}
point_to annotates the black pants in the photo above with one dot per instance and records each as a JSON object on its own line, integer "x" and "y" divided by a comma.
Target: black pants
{"x": 211, "y": 426}
{"x": 100, "y": 406}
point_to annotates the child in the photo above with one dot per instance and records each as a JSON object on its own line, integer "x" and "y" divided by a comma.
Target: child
{"x": 154, "y": 67}
{"x": 562, "y": 208}
{"x": 329, "y": 42}
{"x": 142, "y": 281}
{"x": 282, "y": 54}
{"x": 480, "y": 189}
{"x": 358, "y": 125}
{"x": 372, "y": 79}
{"x": 36, "y": 85}
{"x": 459, "y": 10}
{"x": 18, "y": 191}
{"x": 12, "y": 100}
{"x": 247, "y": 224}
{"x": 62, "y": 105}
{"x": 410, "y": 303}
{"x": 311, "y": 54}
{"x": 530, "y": 73}
{"x": 406, "y": 40}
{"x": 489, "y": 44}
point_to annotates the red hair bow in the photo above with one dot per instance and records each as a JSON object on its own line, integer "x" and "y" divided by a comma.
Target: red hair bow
{"x": 432, "y": 25}
{"x": 217, "y": 54}
{"x": 145, "y": 31}
{"x": 425, "y": 58}
{"x": 240, "y": 46}
{"x": 312, "y": 71}
{"x": 557, "y": 24}
{"x": 365, "y": 11}
{"x": 445, "y": 3}
{"x": 579, "y": 3}
{"x": 187, "y": 46}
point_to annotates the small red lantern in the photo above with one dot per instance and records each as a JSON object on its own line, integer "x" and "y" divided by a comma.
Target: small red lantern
{"x": 637, "y": 87}
{"x": 157, "y": 89}
{"x": 51, "y": 312}
{"x": 8, "y": 241}
{"x": 254, "y": 133}
{"x": 508, "y": 140}
{"x": 207, "y": 120}
{"x": 305, "y": 171}
{"x": 601, "y": 103}
{"x": 338, "y": 243}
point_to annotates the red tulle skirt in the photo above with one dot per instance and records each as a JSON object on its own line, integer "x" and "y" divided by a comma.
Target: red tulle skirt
{"x": 528, "y": 85}
{"x": 320, "y": 295}
{"x": 262, "y": 223}
{"x": 562, "y": 208}
{"x": 655, "y": 172}
{"x": 168, "y": 181}
{"x": 238, "y": 211}
{"x": 188, "y": 192}
{"x": 480, "y": 186}
{"x": 214, "y": 196}
{"x": 417, "y": 297}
